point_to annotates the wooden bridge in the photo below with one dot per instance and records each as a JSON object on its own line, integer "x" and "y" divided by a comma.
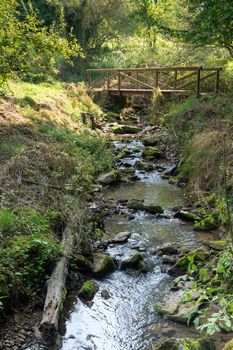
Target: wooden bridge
{"x": 144, "y": 81}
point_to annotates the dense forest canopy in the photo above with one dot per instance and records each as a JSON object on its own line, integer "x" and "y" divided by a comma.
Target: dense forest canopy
{"x": 47, "y": 33}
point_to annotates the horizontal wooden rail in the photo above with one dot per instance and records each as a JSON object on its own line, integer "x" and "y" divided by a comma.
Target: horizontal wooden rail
{"x": 138, "y": 80}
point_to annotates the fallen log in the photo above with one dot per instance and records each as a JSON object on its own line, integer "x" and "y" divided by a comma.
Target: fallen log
{"x": 55, "y": 291}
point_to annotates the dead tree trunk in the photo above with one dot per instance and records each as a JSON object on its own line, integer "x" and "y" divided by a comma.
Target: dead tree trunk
{"x": 55, "y": 290}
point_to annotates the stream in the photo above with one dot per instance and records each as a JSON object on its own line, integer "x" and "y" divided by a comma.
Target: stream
{"x": 126, "y": 320}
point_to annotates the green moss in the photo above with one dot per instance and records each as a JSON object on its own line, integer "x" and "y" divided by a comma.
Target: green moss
{"x": 103, "y": 264}
{"x": 88, "y": 290}
{"x": 122, "y": 154}
{"x": 82, "y": 263}
{"x": 152, "y": 152}
{"x": 136, "y": 150}
{"x": 125, "y": 129}
{"x": 133, "y": 262}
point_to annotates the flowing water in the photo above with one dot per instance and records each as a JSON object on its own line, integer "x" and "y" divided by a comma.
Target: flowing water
{"x": 126, "y": 320}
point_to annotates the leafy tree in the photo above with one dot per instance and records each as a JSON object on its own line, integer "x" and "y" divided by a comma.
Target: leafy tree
{"x": 201, "y": 22}
{"x": 27, "y": 47}
{"x": 92, "y": 22}
{"x": 144, "y": 15}
{"x": 211, "y": 22}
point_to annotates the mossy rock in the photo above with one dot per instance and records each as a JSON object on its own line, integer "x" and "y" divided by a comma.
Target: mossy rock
{"x": 144, "y": 166}
{"x": 136, "y": 204}
{"x": 122, "y": 154}
{"x": 136, "y": 150}
{"x": 88, "y": 290}
{"x": 185, "y": 215}
{"x": 151, "y": 140}
{"x": 82, "y": 263}
{"x": 185, "y": 344}
{"x": 125, "y": 129}
{"x": 152, "y": 152}
{"x": 109, "y": 178}
{"x": 133, "y": 262}
{"x": 228, "y": 345}
{"x": 103, "y": 264}
{"x": 128, "y": 171}
{"x": 139, "y": 165}
{"x": 153, "y": 209}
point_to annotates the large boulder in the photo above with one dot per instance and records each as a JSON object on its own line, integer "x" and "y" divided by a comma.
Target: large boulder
{"x": 168, "y": 249}
{"x": 152, "y": 140}
{"x": 125, "y": 129}
{"x": 134, "y": 262}
{"x": 109, "y": 178}
{"x": 103, "y": 264}
{"x": 153, "y": 208}
{"x": 173, "y": 309}
{"x": 88, "y": 290}
{"x": 184, "y": 344}
{"x": 121, "y": 237}
{"x": 185, "y": 215}
{"x": 136, "y": 204}
{"x": 82, "y": 263}
{"x": 152, "y": 152}
{"x": 144, "y": 166}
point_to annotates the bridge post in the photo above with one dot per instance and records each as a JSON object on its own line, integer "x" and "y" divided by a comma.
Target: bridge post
{"x": 119, "y": 82}
{"x": 198, "y": 85}
{"x": 217, "y": 80}
{"x": 157, "y": 78}
{"x": 175, "y": 79}
{"x": 108, "y": 81}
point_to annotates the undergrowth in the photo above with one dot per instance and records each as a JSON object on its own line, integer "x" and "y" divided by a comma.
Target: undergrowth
{"x": 49, "y": 161}
{"x": 202, "y": 130}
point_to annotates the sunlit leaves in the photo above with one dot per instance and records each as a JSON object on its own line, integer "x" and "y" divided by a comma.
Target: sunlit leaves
{"x": 28, "y": 47}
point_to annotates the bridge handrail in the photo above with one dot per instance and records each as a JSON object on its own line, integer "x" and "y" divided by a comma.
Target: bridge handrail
{"x": 127, "y": 73}
{"x": 143, "y": 69}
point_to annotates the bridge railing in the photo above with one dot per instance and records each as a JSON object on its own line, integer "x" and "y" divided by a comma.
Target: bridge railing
{"x": 167, "y": 79}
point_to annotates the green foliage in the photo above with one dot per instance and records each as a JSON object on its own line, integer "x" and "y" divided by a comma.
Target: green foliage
{"x": 88, "y": 290}
{"x": 213, "y": 283}
{"x": 27, "y": 48}
{"x": 6, "y": 220}
{"x": 93, "y": 148}
{"x": 143, "y": 14}
{"x": 28, "y": 251}
{"x": 210, "y": 22}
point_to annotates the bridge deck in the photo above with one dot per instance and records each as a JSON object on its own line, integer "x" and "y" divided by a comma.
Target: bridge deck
{"x": 138, "y": 92}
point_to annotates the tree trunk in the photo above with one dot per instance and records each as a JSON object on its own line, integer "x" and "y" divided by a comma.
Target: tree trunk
{"x": 55, "y": 291}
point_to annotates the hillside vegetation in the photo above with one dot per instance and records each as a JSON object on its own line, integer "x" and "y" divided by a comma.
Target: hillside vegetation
{"x": 49, "y": 161}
